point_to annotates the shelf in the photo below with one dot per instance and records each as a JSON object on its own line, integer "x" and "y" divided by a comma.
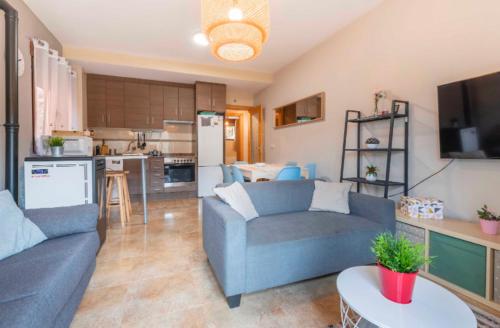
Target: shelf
{"x": 376, "y": 183}
{"x": 375, "y": 118}
{"x": 375, "y": 149}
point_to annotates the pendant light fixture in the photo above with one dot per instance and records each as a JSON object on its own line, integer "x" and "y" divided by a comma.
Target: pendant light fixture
{"x": 235, "y": 29}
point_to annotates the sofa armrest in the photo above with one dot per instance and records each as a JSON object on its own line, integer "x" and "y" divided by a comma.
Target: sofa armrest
{"x": 61, "y": 221}
{"x": 224, "y": 241}
{"x": 375, "y": 209}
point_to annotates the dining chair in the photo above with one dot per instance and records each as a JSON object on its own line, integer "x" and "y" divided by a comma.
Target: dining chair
{"x": 291, "y": 163}
{"x": 289, "y": 173}
{"x": 311, "y": 170}
{"x": 237, "y": 175}
{"x": 240, "y": 163}
{"x": 227, "y": 175}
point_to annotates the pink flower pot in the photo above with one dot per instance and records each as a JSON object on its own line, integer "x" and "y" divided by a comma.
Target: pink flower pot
{"x": 489, "y": 227}
{"x": 396, "y": 286}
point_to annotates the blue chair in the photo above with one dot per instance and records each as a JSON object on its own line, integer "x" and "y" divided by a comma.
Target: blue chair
{"x": 311, "y": 169}
{"x": 227, "y": 175}
{"x": 289, "y": 173}
{"x": 237, "y": 175}
{"x": 240, "y": 162}
{"x": 291, "y": 163}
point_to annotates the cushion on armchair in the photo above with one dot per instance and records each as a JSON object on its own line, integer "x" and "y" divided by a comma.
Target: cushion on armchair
{"x": 17, "y": 233}
{"x": 62, "y": 221}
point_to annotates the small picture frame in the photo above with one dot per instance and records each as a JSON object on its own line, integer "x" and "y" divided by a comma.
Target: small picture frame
{"x": 230, "y": 132}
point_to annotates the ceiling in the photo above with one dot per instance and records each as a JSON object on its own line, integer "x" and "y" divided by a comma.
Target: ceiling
{"x": 164, "y": 28}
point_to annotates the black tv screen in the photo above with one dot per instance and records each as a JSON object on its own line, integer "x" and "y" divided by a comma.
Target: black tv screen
{"x": 469, "y": 118}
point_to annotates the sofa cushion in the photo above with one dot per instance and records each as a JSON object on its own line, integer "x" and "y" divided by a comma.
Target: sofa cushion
{"x": 236, "y": 196}
{"x": 331, "y": 197}
{"x": 291, "y": 247}
{"x": 277, "y": 197}
{"x": 62, "y": 221}
{"x": 17, "y": 233}
{"x": 42, "y": 279}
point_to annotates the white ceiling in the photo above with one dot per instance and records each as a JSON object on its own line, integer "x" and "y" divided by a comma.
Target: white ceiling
{"x": 164, "y": 28}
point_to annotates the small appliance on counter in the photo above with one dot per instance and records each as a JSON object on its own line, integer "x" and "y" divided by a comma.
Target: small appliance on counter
{"x": 73, "y": 145}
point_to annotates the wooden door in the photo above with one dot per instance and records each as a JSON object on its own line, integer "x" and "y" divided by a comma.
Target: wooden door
{"x": 219, "y": 98}
{"x": 171, "y": 103}
{"x": 96, "y": 102}
{"x": 156, "y": 106}
{"x": 136, "y": 105}
{"x": 186, "y": 104}
{"x": 203, "y": 96}
{"x": 258, "y": 113}
{"x": 115, "y": 102}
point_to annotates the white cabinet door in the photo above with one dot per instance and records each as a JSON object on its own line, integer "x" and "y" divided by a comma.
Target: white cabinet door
{"x": 210, "y": 140}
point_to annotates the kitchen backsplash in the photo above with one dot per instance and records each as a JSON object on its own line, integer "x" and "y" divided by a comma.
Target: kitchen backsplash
{"x": 175, "y": 138}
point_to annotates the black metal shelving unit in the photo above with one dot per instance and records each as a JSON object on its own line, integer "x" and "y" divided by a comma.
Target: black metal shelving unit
{"x": 391, "y": 117}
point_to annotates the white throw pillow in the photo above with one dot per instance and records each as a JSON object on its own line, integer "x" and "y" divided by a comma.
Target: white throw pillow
{"x": 237, "y": 197}
{"x": 17, "y": 233}
{"x": 331, "y": 197}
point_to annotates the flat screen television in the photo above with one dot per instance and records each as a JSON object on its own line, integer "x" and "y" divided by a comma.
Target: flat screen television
{"x": 469, "y": 118}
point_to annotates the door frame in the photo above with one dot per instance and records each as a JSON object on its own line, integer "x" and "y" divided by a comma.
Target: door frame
{"x": 259, "y": 110}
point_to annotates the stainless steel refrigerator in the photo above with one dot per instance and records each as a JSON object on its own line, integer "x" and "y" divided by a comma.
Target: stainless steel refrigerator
{"x": 210, "y": 152}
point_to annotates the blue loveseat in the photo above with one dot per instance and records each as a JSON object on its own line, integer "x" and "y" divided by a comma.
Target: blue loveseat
{"x": 287, "y": 243}
{"x": 43, "y": 286}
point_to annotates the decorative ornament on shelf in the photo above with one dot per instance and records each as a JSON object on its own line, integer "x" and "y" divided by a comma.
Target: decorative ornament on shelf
{"x": 372, "y": 143}
{"x": 422, "y": 207}
{"x": 371, "y": 173}
{"x": 235, "y": 29}
{"x": 398, "y": 260}
{"x": 488, "y": 220}
{"x": 378, "y": 96}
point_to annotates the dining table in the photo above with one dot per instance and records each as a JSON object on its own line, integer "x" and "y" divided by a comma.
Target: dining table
{"x": 268, "y": 171}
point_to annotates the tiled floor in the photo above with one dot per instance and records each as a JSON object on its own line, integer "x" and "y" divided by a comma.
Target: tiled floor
{"x": 158, "y": 276}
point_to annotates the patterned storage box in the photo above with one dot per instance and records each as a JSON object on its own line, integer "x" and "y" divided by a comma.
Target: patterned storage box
{"x": 422, "y": 207}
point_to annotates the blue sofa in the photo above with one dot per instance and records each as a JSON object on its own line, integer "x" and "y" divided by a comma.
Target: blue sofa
{"x": 287, "y": 243}
{"x": 43, "y": 286}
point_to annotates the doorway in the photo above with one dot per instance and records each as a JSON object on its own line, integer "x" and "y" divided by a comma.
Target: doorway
{"x": 243, "y": 134}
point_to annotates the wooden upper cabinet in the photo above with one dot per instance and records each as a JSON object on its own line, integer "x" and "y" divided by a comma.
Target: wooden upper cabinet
{"x": 96, "y": 102}
{"x": 171, "y": 103}
{"x": 313, "y": 107}
{"x": 210, "y": 97}
{"x": 301, "y": 108}
{"x": 219, "y": 98}
{"x": 115, "y": 102}
{"x": 203, "y": 96}
{"x": 186, "y": 105}
{"x": 156, "y": 101}
{"x": 136, "y": 105}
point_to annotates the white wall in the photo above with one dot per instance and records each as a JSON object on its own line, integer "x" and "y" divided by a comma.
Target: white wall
{"x": 29, "y": 26}
{"x": 409, "y": 48}
{"x": 239, "y": 97}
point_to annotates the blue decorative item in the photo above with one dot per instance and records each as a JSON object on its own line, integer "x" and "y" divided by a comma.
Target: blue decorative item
{"x": 311, "y": 169}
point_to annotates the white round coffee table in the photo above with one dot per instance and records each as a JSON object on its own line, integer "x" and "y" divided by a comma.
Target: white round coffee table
{"x": 432, "y": 305}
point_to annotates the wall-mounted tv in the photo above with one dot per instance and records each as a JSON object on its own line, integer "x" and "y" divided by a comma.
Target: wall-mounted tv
{"x": 469, "y": 118}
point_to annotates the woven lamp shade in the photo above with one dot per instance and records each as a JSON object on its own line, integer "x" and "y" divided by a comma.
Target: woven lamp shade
{"x": 236, "y": 40}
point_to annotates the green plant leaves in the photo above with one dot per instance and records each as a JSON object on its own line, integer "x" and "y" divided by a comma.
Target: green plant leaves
{"x": 398, "y": 253}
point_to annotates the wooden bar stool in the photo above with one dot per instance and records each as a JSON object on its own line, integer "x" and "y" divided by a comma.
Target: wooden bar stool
{"x": 123, "y": 201}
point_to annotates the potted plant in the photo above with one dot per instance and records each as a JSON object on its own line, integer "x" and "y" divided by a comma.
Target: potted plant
{"x": 488, "y": 221}
{"x": 371, "y": 173}
{"x": 398, "y": 260}
{"x": 372, "y": 143}
{"x": 56, "y": 146}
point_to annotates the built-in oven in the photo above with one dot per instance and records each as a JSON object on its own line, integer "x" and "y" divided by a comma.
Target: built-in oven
{"x": 179, "y": 171}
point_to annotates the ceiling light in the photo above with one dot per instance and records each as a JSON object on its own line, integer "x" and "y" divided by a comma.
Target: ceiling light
{"x": 236, "y": 30}
{"x": 235, "y": 14}
{"x": 200, "y": 39}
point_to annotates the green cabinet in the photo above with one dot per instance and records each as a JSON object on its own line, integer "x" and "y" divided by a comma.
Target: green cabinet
{"x": 458, "y": 261}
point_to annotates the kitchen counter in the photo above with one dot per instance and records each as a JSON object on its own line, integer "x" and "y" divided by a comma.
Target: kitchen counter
{"x": 126, "y": 157}
{"x": 58, "y": 158}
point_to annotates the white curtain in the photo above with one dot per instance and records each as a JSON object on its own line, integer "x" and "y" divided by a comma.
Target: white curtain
{"x": 55, "y": 93}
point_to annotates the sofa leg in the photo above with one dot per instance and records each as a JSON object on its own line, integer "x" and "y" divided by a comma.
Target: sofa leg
{"x": 233, "y": 301}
